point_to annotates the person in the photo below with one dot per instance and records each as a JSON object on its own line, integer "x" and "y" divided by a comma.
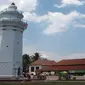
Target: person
{"x": 19, "y": 72}
{"x": 32, "y": 75}
{"x": 24, "y": 75}
{"x": 28, "y": 76}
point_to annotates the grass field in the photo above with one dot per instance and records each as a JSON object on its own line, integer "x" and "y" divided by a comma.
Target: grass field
{"x": 46, "y": 83}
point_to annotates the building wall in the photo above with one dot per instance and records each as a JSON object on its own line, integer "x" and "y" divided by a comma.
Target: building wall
{"x": 40, "y": 66}
{"x": 10, "y": 51}
{"x": 78, "y": 77}
{"x": 52, "y": 77}
{"x": 6, "y": 69}
{"x": 17, "y": 59}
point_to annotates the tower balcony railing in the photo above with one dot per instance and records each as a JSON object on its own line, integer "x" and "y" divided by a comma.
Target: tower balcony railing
{"x": 6, "y": 10}
{"x": 14, "y": 19}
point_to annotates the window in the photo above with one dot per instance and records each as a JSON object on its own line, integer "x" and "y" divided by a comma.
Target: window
{"x": 17, "y": 42}
{"x": 3, "y": 29}
{"x": 14, "y": 29}
{"x": 7, "y": 46}
{"x": 4, "y": 25}
{"x": 32, "y": 69}
{"x": 37, "y": 68}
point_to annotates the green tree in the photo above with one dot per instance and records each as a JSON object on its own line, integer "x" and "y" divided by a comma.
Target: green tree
{"x": 36, "y": 56}
{"x": 25, "y": 61}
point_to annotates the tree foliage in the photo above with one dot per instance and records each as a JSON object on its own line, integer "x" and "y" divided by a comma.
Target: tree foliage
{"x": 35, "y": 57}
{"x": 26, "y": 59}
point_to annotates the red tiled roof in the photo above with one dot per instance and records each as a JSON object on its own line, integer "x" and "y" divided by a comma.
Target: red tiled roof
{"x": 72, "y": 62}
{"x": 62, "y": 68}
{"x": 43, "y": 62}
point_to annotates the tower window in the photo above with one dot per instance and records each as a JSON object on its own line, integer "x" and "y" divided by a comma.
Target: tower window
{"x": 17, "y": 42}
{"x": 3, "y": 29}
{"x": 14, "y": 29}
{"x": 7, "y": 46}
{"x": 4, "y": 25}
{"x": 21, "y": 31}
{"x": 15, "y": 26}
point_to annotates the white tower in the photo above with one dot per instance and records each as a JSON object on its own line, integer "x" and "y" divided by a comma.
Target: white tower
{"x": 11, "y": 32}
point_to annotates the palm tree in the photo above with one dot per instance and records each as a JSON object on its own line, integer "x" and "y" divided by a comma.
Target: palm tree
{"x": 36, "y": 56}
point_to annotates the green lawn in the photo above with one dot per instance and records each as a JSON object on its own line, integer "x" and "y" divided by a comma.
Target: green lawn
{"x": 46, "y": 83}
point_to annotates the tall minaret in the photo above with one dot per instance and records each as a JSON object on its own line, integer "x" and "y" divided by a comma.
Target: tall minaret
{"x": 12, "y": 26}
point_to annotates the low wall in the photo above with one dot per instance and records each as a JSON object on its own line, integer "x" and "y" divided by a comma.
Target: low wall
{"x": 52, "y": 77}
{"x": 78, "y": 77}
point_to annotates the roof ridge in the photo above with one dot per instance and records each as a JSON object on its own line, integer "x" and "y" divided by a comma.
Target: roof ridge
{"x": 74, "y": 59}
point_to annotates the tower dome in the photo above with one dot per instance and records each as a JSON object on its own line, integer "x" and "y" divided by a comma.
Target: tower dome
{"x": 12, "y": 6}
{"x": 12, "y": 17}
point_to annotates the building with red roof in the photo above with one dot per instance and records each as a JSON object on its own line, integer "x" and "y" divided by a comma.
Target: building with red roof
{"x": 40, "y": 64}
{"x": 71, "y": 62}
{"x": 66, "y": 65}
{"x": 72, "y": 68}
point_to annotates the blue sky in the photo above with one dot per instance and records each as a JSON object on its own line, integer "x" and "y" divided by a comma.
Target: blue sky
{"x": 56, "y": 28}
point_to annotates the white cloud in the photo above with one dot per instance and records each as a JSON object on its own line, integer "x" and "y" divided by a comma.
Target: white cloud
{"x": 2, "y": 7}
{"x": 70, "y": 2}
{"x": 31, "y": 49}
{"x": 56, "y": 21}
{"x": 25, "y": 5}
{"x": 59, "y": 22}
{"x": 74, "y": 56}
{"x": 32, "y": 17}
{"x": 79, "y": 25}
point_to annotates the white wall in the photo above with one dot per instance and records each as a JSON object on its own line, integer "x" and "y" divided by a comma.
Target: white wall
{"x": 10, "y": 51}
{"x": 17, "y": 59}
{"x": 6, "y": 53}
{"x": 34, "y": 68}
{"x": 5, "y": 69}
